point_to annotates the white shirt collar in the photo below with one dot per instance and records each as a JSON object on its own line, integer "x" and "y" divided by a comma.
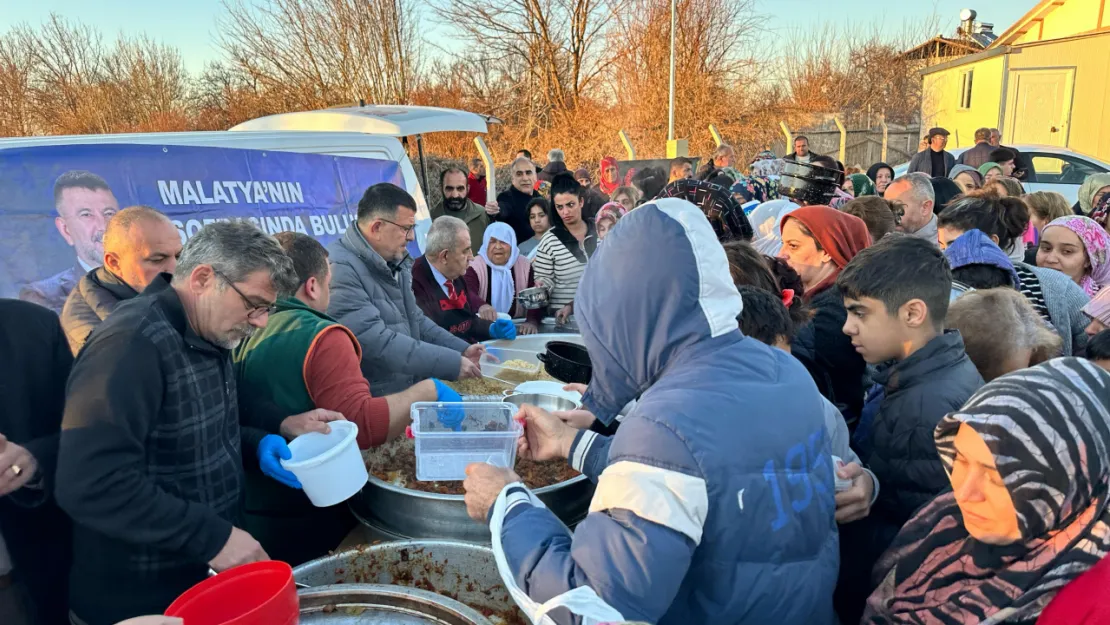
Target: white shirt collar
{"x": 441, "y": 280}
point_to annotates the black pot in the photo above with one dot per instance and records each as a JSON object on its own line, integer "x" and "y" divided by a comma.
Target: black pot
{"x": 568, "y": 363}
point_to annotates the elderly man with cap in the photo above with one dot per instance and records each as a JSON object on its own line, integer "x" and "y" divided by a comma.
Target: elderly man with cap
{"x": 139, "y": 244}
{"x": 695, "y": 519}
{"x": 934, "y": 160}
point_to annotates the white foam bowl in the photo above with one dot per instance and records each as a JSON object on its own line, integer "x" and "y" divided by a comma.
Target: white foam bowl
{"x": 329, "y": 466}
{"x": 546, "y": 387}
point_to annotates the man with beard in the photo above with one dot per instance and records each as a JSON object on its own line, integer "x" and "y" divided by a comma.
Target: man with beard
{"x": 456, "y": 204}
{"x": 150, "y": 464}
{"x": 84, "y": 203}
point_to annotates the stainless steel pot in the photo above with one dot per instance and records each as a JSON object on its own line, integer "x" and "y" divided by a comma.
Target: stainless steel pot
{"x": 464, "y": 572}
{"x": 405, "y": 513}
{"x": 533, "y": 298}
{"x": 376, "y": 604}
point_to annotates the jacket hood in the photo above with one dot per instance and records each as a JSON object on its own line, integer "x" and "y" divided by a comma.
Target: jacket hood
{"x": 633, "y": 327}
{"x": 974, "y": 247}
{"x": 938, "y": 355}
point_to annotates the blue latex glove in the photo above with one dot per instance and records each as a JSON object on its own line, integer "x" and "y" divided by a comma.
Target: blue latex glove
{"x": 503, "y": 329}
{"x": 271, "y": 450}
{"x": 451, "y": 416}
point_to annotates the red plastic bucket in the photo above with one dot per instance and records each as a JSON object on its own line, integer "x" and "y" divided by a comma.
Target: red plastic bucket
{"x": 259, "y": 593}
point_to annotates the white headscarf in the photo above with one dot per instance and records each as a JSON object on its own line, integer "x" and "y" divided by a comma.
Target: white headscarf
{"x": 765, "y": 220}
{"x": 501, "y": 290}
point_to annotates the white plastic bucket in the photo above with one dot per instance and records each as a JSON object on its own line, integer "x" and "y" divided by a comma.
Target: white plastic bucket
{"x": 329, "y": 466}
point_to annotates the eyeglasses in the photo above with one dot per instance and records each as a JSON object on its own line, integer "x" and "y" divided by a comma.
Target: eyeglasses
{"x": 256, "y": 310}
{"x": 407, "y": 229}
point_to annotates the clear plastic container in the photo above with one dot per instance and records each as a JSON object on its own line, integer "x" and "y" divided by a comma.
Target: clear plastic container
{"x": 511, "y": 366}
{"x": 487, "y": 433}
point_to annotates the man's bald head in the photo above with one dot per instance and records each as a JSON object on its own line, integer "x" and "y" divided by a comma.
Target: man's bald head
{"x": 140, "y": 243}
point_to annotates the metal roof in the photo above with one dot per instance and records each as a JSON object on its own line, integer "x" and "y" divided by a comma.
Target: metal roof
{"x": 395, "y": 121}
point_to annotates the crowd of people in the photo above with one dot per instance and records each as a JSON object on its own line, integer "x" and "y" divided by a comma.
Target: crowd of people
{"x": 817, "y": 396}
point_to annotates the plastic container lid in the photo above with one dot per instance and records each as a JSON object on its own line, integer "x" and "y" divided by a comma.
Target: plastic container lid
{"x": 487, "y": 433}
{"x": 259, "y": 593}
{"x": 329, "y": 466}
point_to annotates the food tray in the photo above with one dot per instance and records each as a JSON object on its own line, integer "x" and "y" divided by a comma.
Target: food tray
{"x": 511, "y": 366}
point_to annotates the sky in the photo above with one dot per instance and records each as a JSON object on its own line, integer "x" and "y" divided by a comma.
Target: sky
{"x": 191, "y": 26}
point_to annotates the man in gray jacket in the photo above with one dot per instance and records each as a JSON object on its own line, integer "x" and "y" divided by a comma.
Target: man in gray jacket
{"x": 371, "y": 294}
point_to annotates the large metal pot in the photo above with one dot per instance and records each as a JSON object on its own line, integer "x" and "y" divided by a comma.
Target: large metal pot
{"x": 462, "y": 571}
{"x": 401, "y": 513}
{"x": 375, "y": 604}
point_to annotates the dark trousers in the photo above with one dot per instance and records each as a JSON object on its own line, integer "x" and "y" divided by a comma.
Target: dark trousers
{"x": 38, "y": 541}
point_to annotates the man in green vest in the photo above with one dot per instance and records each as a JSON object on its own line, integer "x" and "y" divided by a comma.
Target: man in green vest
{"x": 303, "y": 360}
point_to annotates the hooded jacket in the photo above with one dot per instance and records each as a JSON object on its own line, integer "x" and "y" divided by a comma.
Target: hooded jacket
{"x": 714, "y": 501}
{"x": 1062, "y": 298}
{"x": 90, "y": 302}
{"x": 400, "y": 345}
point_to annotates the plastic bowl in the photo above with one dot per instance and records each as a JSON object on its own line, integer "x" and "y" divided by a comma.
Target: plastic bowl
{"x": 487, "y": 433}
{"x": 550, "y": 403}
{"x": 259, "y": 593}
{"x": 329, "y": 466}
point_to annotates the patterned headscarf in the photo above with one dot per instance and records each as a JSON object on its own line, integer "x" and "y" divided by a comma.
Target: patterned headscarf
{"x": 1087, "y": 190}
{"x": 610, "y": 210}
{"x": 1099, "y": 307}
{"x": 1048, "y": 428}
{"x": 755, "y": 188}
{"x": 1097, "y": 243}
{"x": 723, "y": 211}
{"x": 861, "y": 185}
{"x": 767, "y": 168}
{"x": 1101, "y": 212}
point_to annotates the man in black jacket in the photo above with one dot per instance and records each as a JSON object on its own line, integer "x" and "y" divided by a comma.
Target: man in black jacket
{"x": 151, "y": 455}
{"x": 33, "y": 371}
{"x": 896, "y": 293}
{"x": 513, "y": 202}
{"x": 980, "y": 153}
{"x": 139, "y": 244}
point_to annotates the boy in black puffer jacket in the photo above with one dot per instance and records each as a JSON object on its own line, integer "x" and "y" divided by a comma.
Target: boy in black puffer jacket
{"x": 896, "y": 294}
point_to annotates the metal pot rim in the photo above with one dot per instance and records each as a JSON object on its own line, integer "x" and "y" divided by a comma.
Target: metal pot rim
{"x": 419, "y": 494}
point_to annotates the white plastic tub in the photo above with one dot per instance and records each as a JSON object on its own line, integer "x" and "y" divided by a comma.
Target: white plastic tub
{"x": 488, "y": 433}
{"x": 329, "y": 466}
{"x": 524, "y": 365}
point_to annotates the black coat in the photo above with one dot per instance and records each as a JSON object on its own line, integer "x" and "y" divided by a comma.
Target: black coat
{"x": 919, "y": 391}
{"x": 513, "y": 207}
{"x": 827, "y": 353}
{"x": 90, "y": 302}
{"x": 34, "y": 366}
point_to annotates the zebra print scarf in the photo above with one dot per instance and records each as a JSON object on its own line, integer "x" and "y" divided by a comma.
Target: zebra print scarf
{"x": 1048, "y": 428}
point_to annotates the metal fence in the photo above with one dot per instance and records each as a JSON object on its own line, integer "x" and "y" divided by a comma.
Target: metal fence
{"x": 862, "y": 146}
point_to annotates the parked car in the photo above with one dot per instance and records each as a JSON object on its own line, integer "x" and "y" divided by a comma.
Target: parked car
{"x": 1058, "y": 169}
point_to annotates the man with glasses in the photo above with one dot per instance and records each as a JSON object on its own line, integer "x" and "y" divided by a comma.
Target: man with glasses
{"x": 371, "y": 294}
{"x": 513, "y": 202}
{"x": 151, "y": 454}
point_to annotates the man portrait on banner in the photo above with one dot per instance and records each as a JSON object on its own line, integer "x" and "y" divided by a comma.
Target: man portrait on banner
{"x": 84, "y": 203}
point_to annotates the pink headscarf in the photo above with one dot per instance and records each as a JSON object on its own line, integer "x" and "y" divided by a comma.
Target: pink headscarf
{"x": 1099, "y": 307}
{"x": 610, "y": 210}
{"x": 1097, "y": 243}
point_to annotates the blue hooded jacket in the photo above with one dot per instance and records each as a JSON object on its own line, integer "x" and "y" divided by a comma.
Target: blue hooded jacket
{"x": 974, "y": 247}
{"x": 714, "y": 501}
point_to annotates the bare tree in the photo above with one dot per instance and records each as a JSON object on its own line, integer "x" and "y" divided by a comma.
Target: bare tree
{"x": 317, "y": 53}
{"x": 16, "y": 67}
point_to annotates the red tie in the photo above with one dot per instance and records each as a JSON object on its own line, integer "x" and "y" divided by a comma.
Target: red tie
{"x": 450, "y": 290}
{"x": 455, "y": 300}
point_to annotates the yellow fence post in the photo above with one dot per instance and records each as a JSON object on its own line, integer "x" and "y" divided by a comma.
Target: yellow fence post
{"x": 886, "y": 135}
{"x": 627, "y": 145}
{"x": 716, "y": 135}
{"x": 789, "y": 136}
{"x": 843, "y": 137}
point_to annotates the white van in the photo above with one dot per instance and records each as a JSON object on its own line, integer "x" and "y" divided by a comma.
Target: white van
{"x": 296, "y": 171}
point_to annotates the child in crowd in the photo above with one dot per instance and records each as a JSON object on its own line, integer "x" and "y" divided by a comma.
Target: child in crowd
{"x": 896, "y": 293}
{"x": 1098, "y": 349}
{"x": 1001, "y": 331}
{"x": 607, "y": 218}
{"x": 765, "y": 319}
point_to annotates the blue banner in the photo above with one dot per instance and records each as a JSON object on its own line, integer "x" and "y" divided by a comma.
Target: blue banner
{"x": 56, "y": 201}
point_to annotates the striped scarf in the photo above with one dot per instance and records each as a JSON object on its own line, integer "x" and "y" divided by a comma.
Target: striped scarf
{"x": 1048, "y": 428}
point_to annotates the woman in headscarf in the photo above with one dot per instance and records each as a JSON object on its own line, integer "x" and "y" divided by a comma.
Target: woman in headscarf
{"x": 1078, "y": 247}
{"x": 608, "y": 217}
{"x": 766, "y": 220}
{"x": 882, "y": 175}
{"x": 1093, "y": 189}
{"x": 967, "y": 177}
{"x": 582, "y": 175}
{"x": 944, "y": 191}
{"x": 1101, "y": 212}
{"x": 754, "y": 189}
{"x": 990, "y": 171}
{"x": 859, "y": 185}
{"x": 817, "y": 242}
{"x": 610, "y": 176}
{"x": 1098, "y": 312}
{"x": 499, "y": 272}
{"x": 723, "y": 211}
{"x": 1029, "y": 463}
